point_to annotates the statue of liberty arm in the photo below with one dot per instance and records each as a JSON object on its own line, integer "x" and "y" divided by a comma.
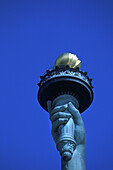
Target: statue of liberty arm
{"x": 60, "y": 117}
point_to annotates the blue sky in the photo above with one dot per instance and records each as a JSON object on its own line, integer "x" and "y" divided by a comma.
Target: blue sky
{"x": 32, "y": 35}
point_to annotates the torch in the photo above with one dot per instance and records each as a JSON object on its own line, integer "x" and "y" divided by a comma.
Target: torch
{"x": 62, "y": 84}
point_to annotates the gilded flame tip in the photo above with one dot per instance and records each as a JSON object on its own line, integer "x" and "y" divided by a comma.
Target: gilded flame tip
{"x": 68, "y": 59}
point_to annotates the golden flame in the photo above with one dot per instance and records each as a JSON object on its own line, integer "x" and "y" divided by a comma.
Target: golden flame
{"x": 68, "y": 59}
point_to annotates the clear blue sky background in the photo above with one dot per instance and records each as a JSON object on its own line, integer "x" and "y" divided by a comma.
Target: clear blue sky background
{"x": 32, "y": 35}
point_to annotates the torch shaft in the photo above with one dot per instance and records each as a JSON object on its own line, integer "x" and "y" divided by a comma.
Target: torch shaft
{"x": 65, "y": 142}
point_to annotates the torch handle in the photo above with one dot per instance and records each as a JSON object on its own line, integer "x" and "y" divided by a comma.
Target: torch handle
{"x": 66, "y": 143}
{"x": 65, "y": 140}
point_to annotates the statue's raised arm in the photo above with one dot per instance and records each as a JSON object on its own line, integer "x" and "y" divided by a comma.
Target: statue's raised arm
{"x": 60, "y": 118}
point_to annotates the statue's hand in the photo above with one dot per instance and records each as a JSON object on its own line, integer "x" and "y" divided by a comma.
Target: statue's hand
{"x": 58, "y": 117}
{"x": 79, "y": 124}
